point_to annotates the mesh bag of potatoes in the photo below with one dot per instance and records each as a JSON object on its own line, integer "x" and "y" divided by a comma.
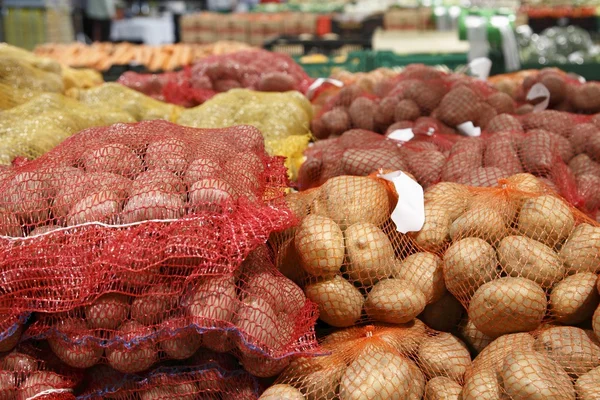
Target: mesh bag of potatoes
{"x": 118, "y": 97}
{"x": 254, "y": 313}
{"x": 350, "y": 259}
{"x": 283, "y": 119}
{"x": 205, "y": 376}
{"x": 555, "y": 362}
{"x": 119, "y": 203}
{"x": 409, "y": 361}
{"x": 515, "y": 255}
{"x": 406, "y": 100}
{"x": 41, "y": 123}
{"x": 33, "y": 372}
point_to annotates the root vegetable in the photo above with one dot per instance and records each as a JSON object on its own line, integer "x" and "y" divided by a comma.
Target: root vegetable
{"x": 370, "y": 253}
{"x": 70, "y": 351}
{"x": 580, "y": 251}
{"x": 394, "y": 301}
{"x": 442, "y": 388}
{"x": 425, "y": 272}
{"x": 153, "y": 205}
{"x": 138, "y": 358}
{"x": 444, "y": 355}
{"x": 320, "y": 244}
{"x": 574, "y": 299}
{"x": 340, "y": 303}
{"x": 103, "y": 206}
{"x": 167, "y": 154}
{"x": 281, "y": 391}
{"x": 107, "y": 312}
{"x": 546, "y": 219}
{"x": 116, "y": 158}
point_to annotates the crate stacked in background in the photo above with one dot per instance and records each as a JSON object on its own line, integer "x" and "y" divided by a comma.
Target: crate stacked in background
{"x": 32, "y": 22}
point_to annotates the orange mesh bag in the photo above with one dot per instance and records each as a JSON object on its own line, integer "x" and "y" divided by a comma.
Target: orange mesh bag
{"x": 32, "y": 372}
{"x": 350, "y": 259}
{"x": 204, "y": 376}
{"x": 556, "y": 362}
{"x": 112, "y": 207}
{"x": 409, "y": 361}
{"x": 515, "y": 256}
{"x": 256, "y": 313}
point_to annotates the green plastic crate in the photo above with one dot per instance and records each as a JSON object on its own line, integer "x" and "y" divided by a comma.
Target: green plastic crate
{"x": 389, "y": 59}
{"x": 357, "y": 61}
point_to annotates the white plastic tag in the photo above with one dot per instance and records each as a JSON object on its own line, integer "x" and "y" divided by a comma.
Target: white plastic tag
{"x": 409, "y": 214}
{"x": 481, "y": 67}
{"x": 402, "y": 135}
{"x": 320, "y": 81}
{"x": 539, "y": 91}
{"x": 467, "y": 128}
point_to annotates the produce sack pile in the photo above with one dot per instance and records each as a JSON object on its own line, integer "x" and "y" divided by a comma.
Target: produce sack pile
{"x": 126, "y": 244}
{"x": 408, "y": 361}
{"x": 38, "y": 125}
{"x": 252, "y": 69}
{"x": 206, "y": 375}
{"x": 556, "y": 362}
{"x": 283, "y": 119}
{"x": 31, "y": 371}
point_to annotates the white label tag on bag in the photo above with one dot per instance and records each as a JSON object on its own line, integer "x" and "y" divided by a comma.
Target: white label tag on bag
{"x": 481, "y": 67}
{"x": 467, "y": 128}
{"x": 539, "y": 91}
{"x": 320, "y": 81}
{"x": 409, "y": 214}
{"x": 402, "y": 135}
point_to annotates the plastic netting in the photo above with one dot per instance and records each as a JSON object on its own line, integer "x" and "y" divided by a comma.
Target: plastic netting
{"x": 33, "y": 372}
{"x": 120, "y": 98}
{"x": 556, "y": 362}
{"x": 283, "y": 119}
{"x": 205, "y": 375}
{"x": 41, "y": 123}
{"x": 409, "y": 361}
{"x": 417, "y": 92}
{"x": 252, "y": 69}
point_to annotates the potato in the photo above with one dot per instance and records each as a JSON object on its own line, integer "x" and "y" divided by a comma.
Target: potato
{"x": 201, "y": 168}
{"x": 384, "y": 113}
{"x": 458, "y": 106}
{"x": 481, "y": 222}
{"x": 587, "y": 190}
{"x": 443, "y": 315}
{"x": 210, "y": 195}
{"x": 570, "y": 348}
{"x": 587, "y": 387}
{"x": 596, "y": 322}
{"x": 406, "y": 110}
{"x": 504, "y": 123}
{"x": 107, "y": 311}
{"x": 444, "y": 355}
{"x": 362, "y": 112}
{"x": 19, "y": 363}
{"x": 71, "y": 350}
{"x": 528, "y": 258}
{"x": 551, "y": 120}
{"x": 442, "y": 388}
{"x": 492, "y": 356}
{"x": 501, "y": 152}
{"x": 8, "y": 385}
{"x": 9, "y": 225}
{"x": 344, "y": 200}
{"x": 362, "y": 162}
{"x": 336, "y": 121}
{"x": 507, "y": 305}
{"x": 463, "y": 161}
{"x": 133, "y": 359}
{"x": 317, "y": 377}
{"x": 218, "y": 341}
{"x": 502, "y": 103}
{"x": 319, "y": 242}
{"x": 11, "y": 339}
{"x": 153, "y": 305}
{"x": 182, "y": 344}
{"x": 214, "y": 299}
{"x": 281, "y": 391}
{"x": 370, "y": 253}
{"x": 157, "y": 181}
{"x": 482, "y": 385}
{"x": 546, "y": 219}
{"x": 529, "y": 375}
{"x": 166, "y": 154}
{"x": 436, "y": 230}
{"x": 574, "y": 299}
{"x": 40, "y": 381}
{"x": 347, "y": 95}
{"x": 455, "y": 198}
{"x": 581, "y": 251}
{"x": 103, "y": 206}
{"x": 116, "y": 158}
{"x": 281, "y": 294}
{"x": 579, "y": 136}
{"x": 582, "y": 164}
{"x": 256, "y": 319}
{"x": 377, "y": 374}
{"x": 424, "y": 271}
{"x": 406, "y": 342}
{"x": 525, "y": 182}
{"x": 276, "y": 82}
{"x": 154, "y": 205}
{"x": 468, "y": 264}
{"x": 394, "y": 301}
{"x": 473, "y": 336}
{"x": 263, "y": 367}
{"x": 340, "y": 303}
{"x": 27, "y": 196}
{"x": 484, "y": 176}
{"x": 167, "y": 389}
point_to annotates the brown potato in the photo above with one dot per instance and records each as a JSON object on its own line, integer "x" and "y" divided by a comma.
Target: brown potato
{"x": 574, "y": 299}
{"x": 580, "y": 251}
{"x": 370, "y": 253}
{"x": 320, "y": 245}
{"x": 424, "y": 271}
{"x": 394, "y": 301}
{"x": 340, "y": 303}
{"x": 546, "y": 219}
{"x": 444, "y": 355}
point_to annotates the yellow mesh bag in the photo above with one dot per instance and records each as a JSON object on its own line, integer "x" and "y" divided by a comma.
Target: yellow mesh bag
{"x": 81, "y": 78}
{"x": 12, "y": 96}
{"x": 283, "y": 119}
{"x": 20, "y": 74}
{"x": 33, "y": 128}
{"x": 409, "y": 361}
{"x": 118, "y": 97}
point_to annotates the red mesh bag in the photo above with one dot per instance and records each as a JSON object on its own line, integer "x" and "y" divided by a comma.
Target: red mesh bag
{"x": 556, "y": 362}
{"x": 112, "y": 207}
{"x": 32, "y": 372}
{"x": 256, "y": 313}
{"x": 409, "y": 361}
{"x": 515, "y": 255}
{"x": 252, "y": 69}
{"x": 207, "y": 375}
